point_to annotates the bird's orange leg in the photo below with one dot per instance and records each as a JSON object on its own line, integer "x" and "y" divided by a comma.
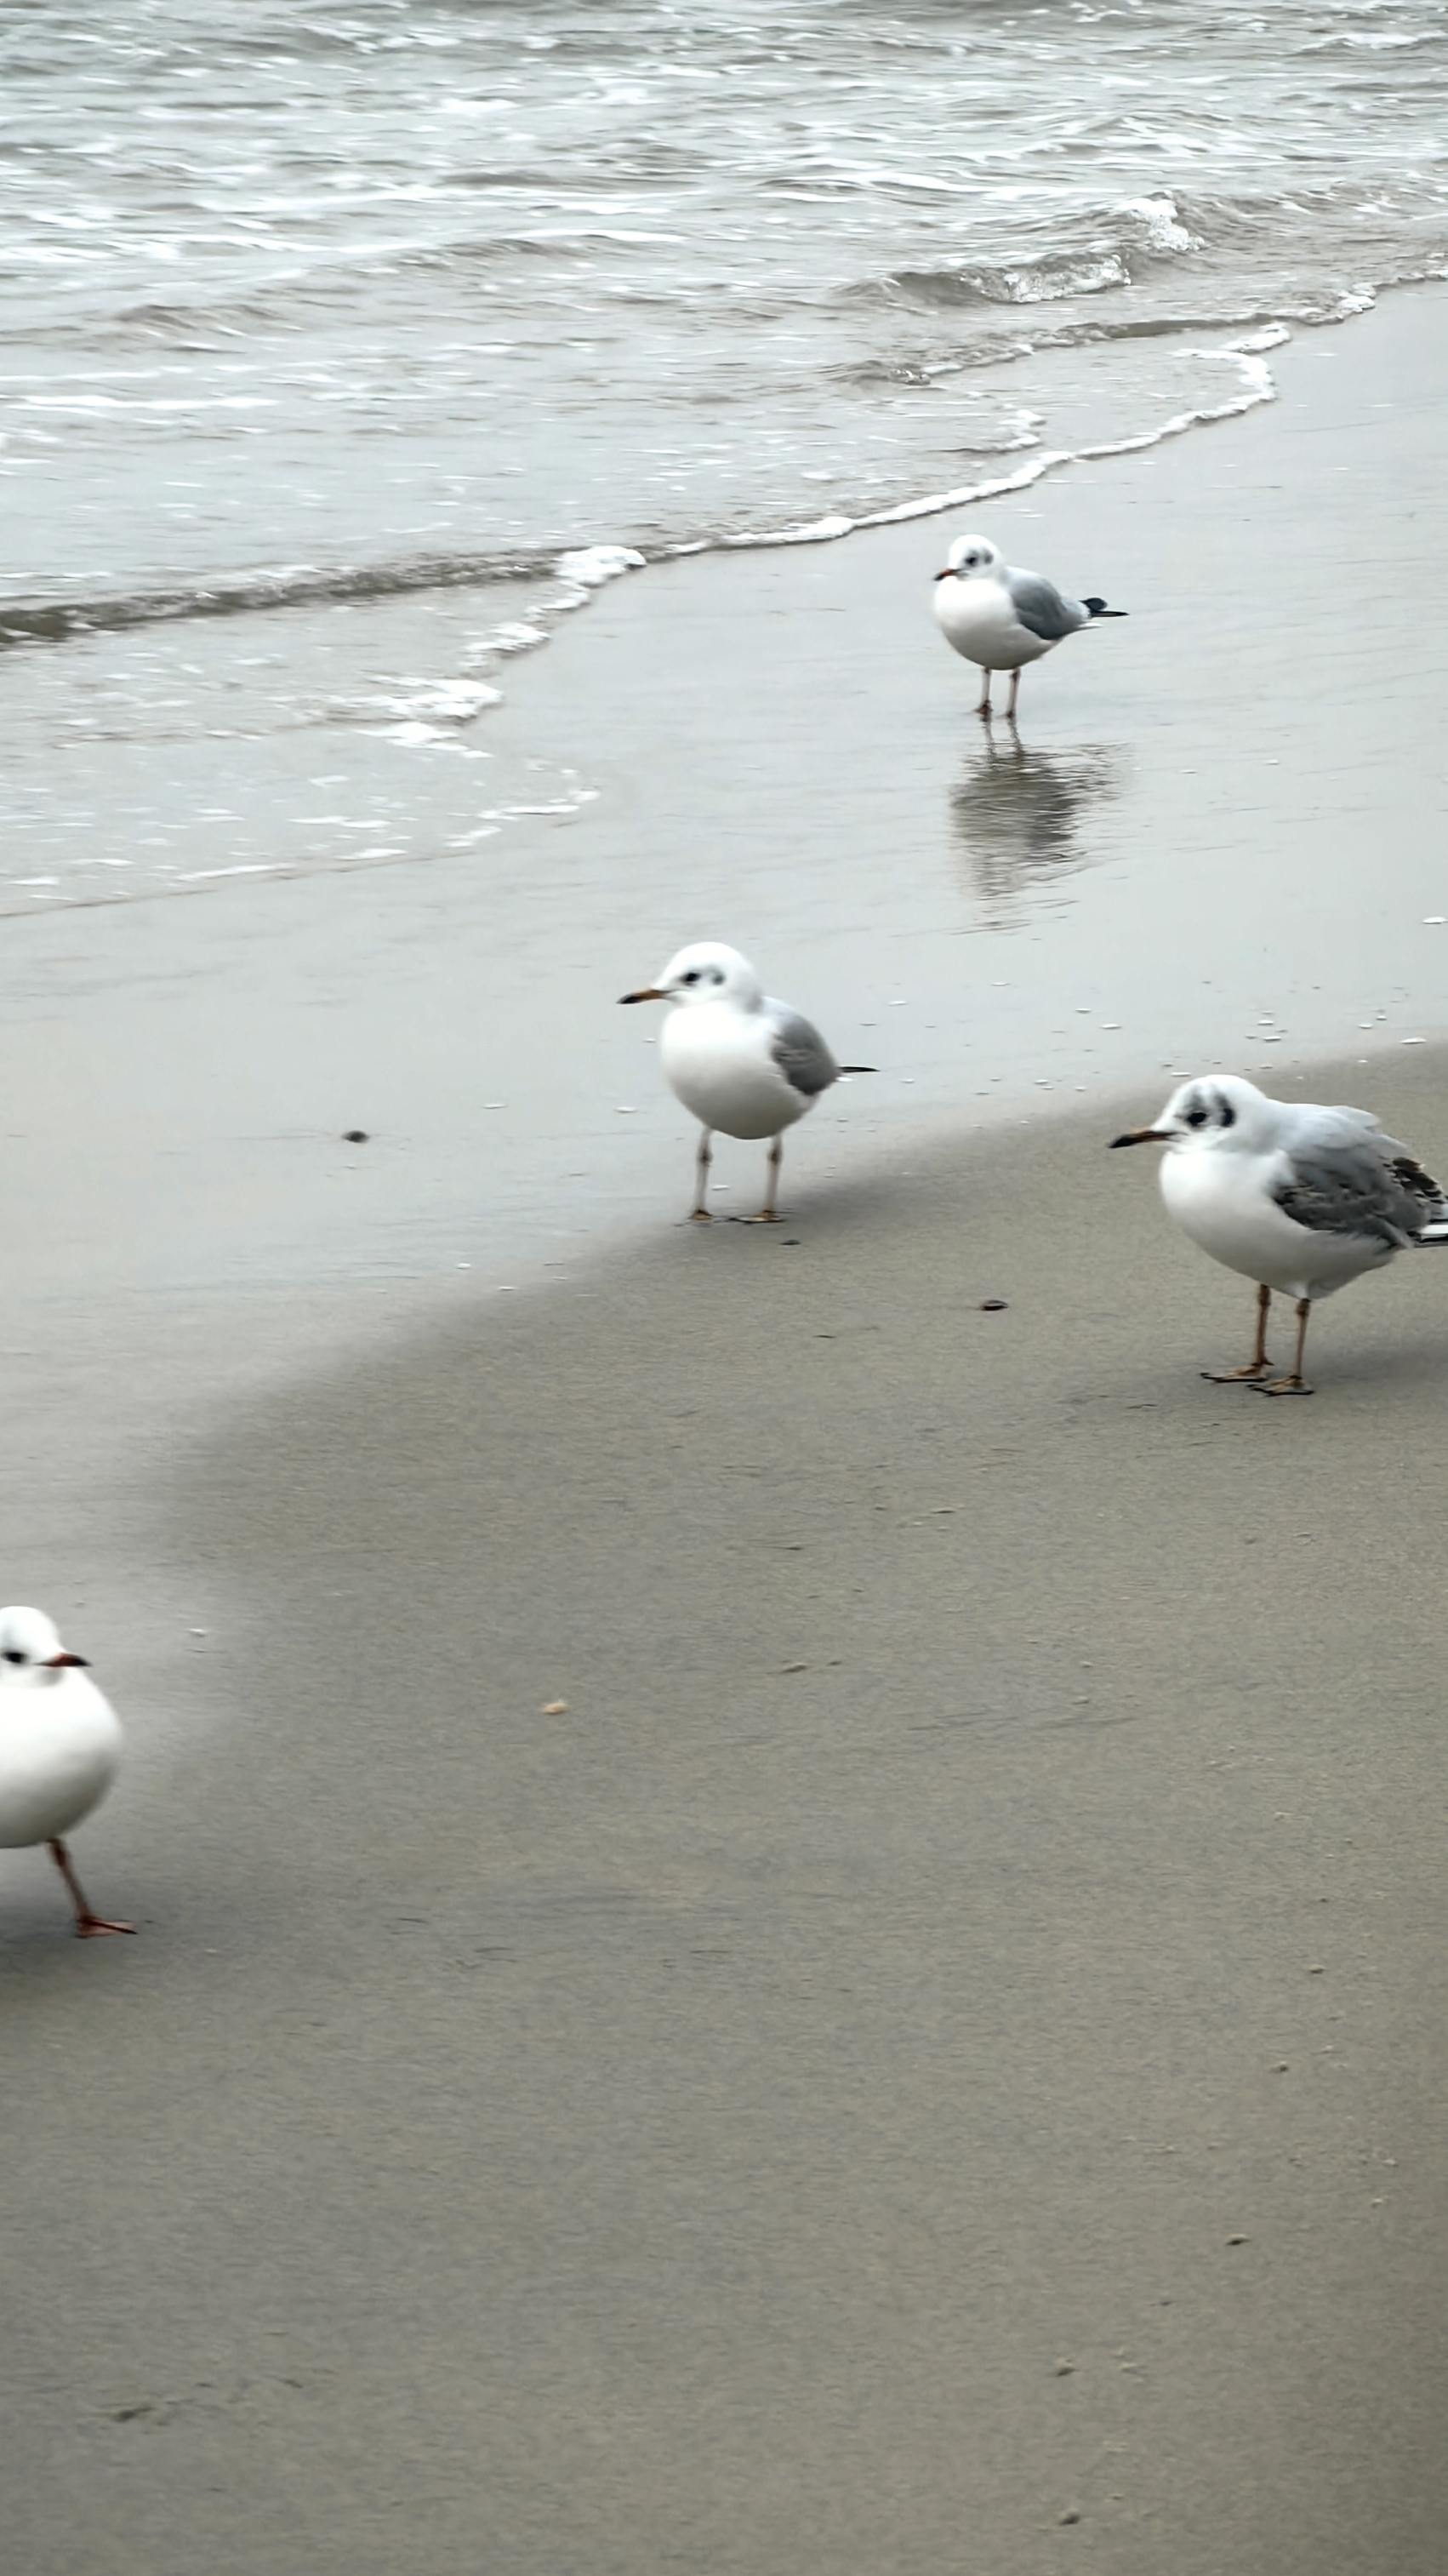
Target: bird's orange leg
{"x": 1258, "y": 1361}
{"x": 87, "y": 1923}
{"x": 1296, "y": 1384}
{"x": 766, "y": 1215}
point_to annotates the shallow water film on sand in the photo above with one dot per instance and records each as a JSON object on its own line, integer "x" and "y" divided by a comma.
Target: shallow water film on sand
{"x": 327, "y": 307}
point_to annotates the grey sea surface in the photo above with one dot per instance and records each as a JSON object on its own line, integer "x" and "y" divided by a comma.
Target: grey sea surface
{"x": 390, "y": 308}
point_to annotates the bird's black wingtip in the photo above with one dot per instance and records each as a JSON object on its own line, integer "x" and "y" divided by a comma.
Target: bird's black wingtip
{"x": 1099, "y": 608}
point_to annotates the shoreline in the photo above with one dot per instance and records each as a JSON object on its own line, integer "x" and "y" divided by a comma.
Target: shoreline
{"x": 197, "y": 1231}
{"x": 1183, "y": 847}
{"x": 937, "y": 2034}
{"x": 582, "y": 573}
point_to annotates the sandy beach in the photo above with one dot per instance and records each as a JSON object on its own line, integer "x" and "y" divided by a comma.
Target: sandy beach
{"x": 930, "y": 2059}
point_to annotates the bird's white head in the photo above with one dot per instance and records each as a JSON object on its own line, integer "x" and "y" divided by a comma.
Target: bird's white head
{"x": 1215, "y": 1109}
{"x": 707, "y": 972}
{"x": 30, "y": 1647}
{"x": 973, "y": 559}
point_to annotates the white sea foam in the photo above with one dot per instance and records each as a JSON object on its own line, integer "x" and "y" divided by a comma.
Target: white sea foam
{"x": 452, "y": 701}
{"x": 1258, "y": 387}
{"x": 514, "y": 636}
{"x": 416, "y": 736}
{"x": 589, "y": 567}
{"x": 1163, "y": 226}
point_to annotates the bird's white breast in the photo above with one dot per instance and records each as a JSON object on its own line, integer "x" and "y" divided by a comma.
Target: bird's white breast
{"x": 1223, "y": 1200}
{"x": 718, "y": 1062}
{"x": 60, "y": 1746}
{"x": 978, "y": 619}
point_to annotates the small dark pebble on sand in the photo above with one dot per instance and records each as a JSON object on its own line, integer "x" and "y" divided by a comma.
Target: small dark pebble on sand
{"x": 355, "y": 1136}
{"x": 1070, "y": 2515}
{"x": 992, "y": 1305}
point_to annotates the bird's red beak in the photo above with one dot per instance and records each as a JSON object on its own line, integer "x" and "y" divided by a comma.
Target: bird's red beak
{"x": 1144, "y": 1136}
{"x": 647, "y": 993}
{"x": 65, "y": 1657}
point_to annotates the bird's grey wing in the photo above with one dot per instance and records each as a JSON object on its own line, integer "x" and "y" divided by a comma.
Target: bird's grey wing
{"x": 801, "y": 1053}
{"x": 1356, "y": 1182}
{"x": 1040, "y": 607}
{"x": 1425, "y": 1193}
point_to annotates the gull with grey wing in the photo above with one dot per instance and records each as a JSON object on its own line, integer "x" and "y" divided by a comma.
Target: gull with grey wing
{"x": 1299, "y": 1197}
{"x": 1000, "y": 618}
{"x": 744, "y": 1064}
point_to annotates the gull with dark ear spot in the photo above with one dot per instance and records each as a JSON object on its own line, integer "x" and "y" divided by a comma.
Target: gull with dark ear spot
{"x": 1299, "y": 1198}
{"x": 743, "y": 1064}
{"x": 60, "y": 1748}
{"x": 1001, "y": 618}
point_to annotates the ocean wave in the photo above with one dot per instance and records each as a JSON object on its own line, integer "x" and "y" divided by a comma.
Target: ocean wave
{"x": 52, "y": 620}
{"x": 562, "y": 580}
{"x": 1257, "y": 387}
{"x": 1044, "y": 280}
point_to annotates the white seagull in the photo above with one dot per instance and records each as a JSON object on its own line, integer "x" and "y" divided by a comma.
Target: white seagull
{"x": 1297, "y": 1197}
{"x": 60, "y": 1748}
{"x": 999, "y": 618}
{"x": 741, "y": 1062}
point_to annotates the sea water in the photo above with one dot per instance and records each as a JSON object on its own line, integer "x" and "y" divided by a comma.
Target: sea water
{"x": 347, "y": 348}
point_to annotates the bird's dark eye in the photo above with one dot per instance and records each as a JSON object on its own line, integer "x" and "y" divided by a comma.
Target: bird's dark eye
{"x": 13, "y": 1655}
{"x": 693, "y": 975}
{"x": 1196, "y": 1117}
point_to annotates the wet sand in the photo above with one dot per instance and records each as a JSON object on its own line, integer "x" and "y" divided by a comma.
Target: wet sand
{"x": 938, "y": 2037}
{"x": 790, "y": 2110}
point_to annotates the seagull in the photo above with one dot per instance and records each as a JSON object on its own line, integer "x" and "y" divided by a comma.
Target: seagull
{"x": 1297, "y": 1197}
{"x": 741, "y": 1062}
{"x": 1001, "y": 619}
{"x": 60, "y": 1748}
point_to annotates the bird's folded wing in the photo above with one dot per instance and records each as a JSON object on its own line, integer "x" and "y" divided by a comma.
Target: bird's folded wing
{"x": 1357, "y": 1184}
{"x": 1426, "y": 1193}
{"x": 1039, "y": 606}
{"x": 801, "y": 1054}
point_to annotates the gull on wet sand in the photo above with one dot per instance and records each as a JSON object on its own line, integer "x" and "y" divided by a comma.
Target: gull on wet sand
{"x": 1299, "y": 1198}
{"x": 60, "y": 1748}
{"x": 743, "y": 1064}
{"x": 1000, "y": 618}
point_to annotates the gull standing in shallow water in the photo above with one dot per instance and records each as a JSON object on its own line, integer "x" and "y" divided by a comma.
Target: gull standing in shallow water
{"x": 60, "y": 1748}
{"x": 1297, "y": 1197}
{"x": 999, "y": 618}
{"x": 742, "y": 1063}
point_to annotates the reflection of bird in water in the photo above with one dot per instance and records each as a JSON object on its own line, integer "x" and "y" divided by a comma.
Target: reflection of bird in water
{"x": 1017, "y": 815}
